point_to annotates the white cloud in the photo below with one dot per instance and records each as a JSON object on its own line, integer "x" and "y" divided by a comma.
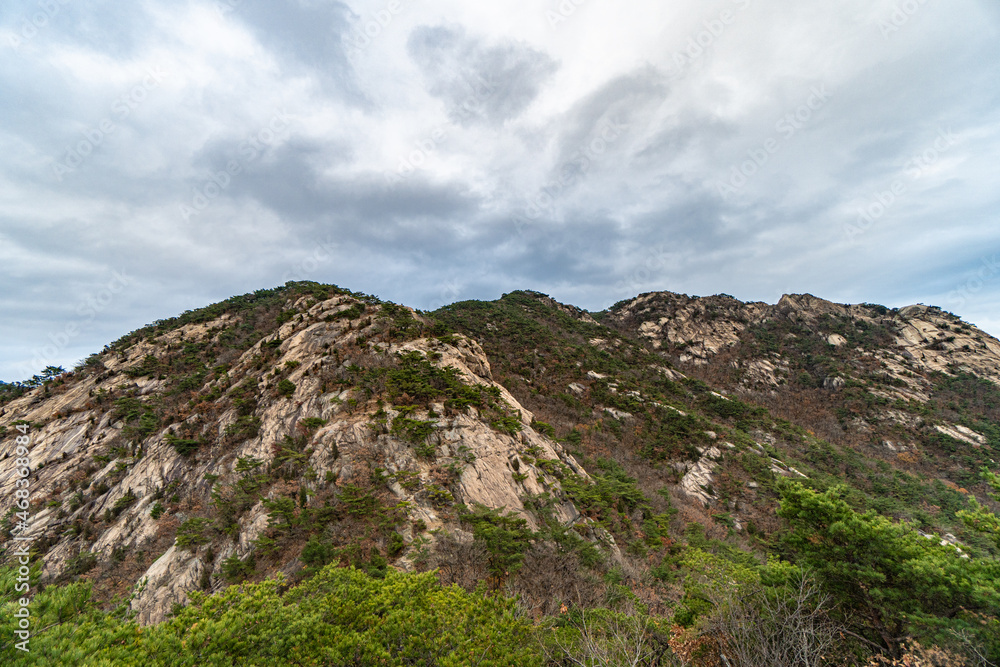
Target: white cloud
{"x": 697, "y": 89}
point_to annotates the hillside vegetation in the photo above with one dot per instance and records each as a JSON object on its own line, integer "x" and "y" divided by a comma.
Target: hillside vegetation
{"x": 310, "y": 475}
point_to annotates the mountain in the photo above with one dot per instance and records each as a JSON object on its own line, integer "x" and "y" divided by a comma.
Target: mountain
{"x": 568, "y": 459}
{"x": 904, "y": 385}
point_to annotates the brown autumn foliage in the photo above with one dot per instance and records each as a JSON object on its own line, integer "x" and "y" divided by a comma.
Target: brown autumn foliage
{"x": 919, "y": 656}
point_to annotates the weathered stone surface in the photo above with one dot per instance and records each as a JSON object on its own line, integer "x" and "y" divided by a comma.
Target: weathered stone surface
{"x": 699, "y": 328}
{"x": 698, "y": 479}
{"x": 834, "y": 383}
{"x": 167, "y": 581}
{"x": 963, "y": 433}
{"x": 73, "y": 429}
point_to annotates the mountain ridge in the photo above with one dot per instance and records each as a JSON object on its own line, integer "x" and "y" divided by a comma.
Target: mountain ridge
{"x": 500, "y": 442}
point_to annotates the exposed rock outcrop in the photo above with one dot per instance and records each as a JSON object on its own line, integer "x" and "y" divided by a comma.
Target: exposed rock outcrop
{"x": 98, "y": 480}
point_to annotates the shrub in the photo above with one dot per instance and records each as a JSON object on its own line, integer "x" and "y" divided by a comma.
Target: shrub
{"x": 438, "y": 496}
{"x": 83, "y": 562}
{"x": 623, "y": 636}
{"x": 192, "y": 533}
{"x": 281, "y": 513}
{"x": 234, "y": 569}
{"x": 183, "y": 446}
{"x": 245, "y": 397}
{"x": 123, "y": 503}
{"x": 359, "y": 502}
{"x": 412, "y": 430}
{"x": 243, "y": 428}
{"x": 76, "y": 501}
{"x": 614, "y": 490}
{"x": 149, "y": 365}
{"x": 352, "y": 313}
{"x": 871, "y": 566}
{"x": 317, "y": 553}
{"x": 312, "y": 423}
{"x": 507, "y": 424}
{"x": 505, "y": 537}
{"x": 544, "y": 428}
{"x": 420, "y": 380}
{"x": 286, "y": 388}
{"x": 341, "y": 616}
{"x": 396, "y": 545}
{"x": 139, "y": 418}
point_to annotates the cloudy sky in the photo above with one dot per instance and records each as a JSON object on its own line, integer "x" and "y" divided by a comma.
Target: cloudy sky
{"x": 158, "y": 156}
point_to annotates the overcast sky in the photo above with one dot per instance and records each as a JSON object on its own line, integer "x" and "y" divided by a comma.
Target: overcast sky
{"x": 160, "y": 156}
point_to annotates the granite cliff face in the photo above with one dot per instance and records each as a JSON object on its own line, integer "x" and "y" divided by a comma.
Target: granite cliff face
{"x": 113, "y": 481}
{"x": 291, "y": 428}
{"x": 888, "y": 382}
{"x": 924, "y": 338}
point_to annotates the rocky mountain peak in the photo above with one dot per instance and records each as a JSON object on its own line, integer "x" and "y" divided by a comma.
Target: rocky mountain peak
{"x": 167, "y": 465}
{"x": 523, "y": 446}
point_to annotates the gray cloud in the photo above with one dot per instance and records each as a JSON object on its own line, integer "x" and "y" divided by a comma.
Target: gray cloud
{"x": 478, "y": 82}
{"x": 307, "y": 35}
{"x": 582, "y": 162}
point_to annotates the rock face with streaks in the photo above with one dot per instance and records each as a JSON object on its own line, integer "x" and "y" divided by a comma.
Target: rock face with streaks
{"x": 145, "y": 441}
{"x": 697, "y": 480}
{"x": 291, "y": 428}
{"x": 862, "y": 373}
{"x": 924, "y": 338}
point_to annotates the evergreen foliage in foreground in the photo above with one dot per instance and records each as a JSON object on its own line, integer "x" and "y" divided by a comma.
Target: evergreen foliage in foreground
{"x": 339, "y": 617}
{"x": 890, "y": 583}
{"x": 854, "y": 584}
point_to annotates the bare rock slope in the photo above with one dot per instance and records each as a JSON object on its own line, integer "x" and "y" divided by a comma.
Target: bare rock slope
{"x": 164, "y": 483}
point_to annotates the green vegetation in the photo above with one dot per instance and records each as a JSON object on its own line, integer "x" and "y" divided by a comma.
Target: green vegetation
{"x": 420, "y": 380}
{"x": 339, "y": 617}
{"x": 234, "y": 569}
{"x": 507, "y": 424}
{"x": 139, "y": 417}
{"x": 978, "y": 517}
{"x": 831, "y": 565}
{"x": 250, "y": 304}
{"x": 50, "y": 376}
{"x": 537, "y": 349}
{"x": 505, "y": 537}
{"x": 412, "y": 430}
{"x": 414, "y": 383}
{"x": 605, "y": 495}
{"x": 312, "y": 423}
{"x": 184, "y": 446}
{"x": 83, "y": 562}
{"x": 872, "y": 568}
{"x": 193, "y": 533}
{"x": 352, "y": 313}
{"x": 150, "y": 365}
{"x": 243, "y": 428}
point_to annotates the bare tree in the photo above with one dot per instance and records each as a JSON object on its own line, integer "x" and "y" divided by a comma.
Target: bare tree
{"x": 604, "y": 638}
{"x": 916, "y": 655}
{"x": 975, "y": 656}
{"x": 778, "y": 627}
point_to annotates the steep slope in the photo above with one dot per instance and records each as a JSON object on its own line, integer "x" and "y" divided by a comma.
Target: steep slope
{"x": 697, "y": 328}
{"x": 183, "y": 457}
{"x": 718, "y": 406}
{"x": 916, "y": 387}
{"x": 804, "y": 389}
{"x": 663, "y": 458}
